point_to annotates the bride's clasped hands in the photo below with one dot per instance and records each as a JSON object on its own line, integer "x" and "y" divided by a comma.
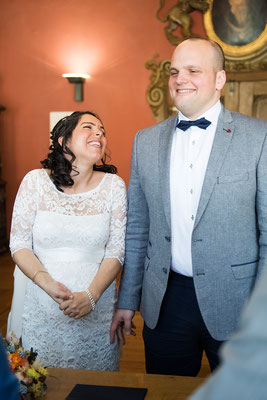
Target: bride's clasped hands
{"x": 74, "y": 305}
{"x": 78, "y": 306}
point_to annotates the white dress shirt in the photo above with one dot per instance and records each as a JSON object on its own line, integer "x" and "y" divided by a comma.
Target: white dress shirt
{"x": 189, "y": 158}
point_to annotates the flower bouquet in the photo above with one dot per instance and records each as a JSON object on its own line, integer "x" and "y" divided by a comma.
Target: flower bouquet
{"x": 30, "y": 372}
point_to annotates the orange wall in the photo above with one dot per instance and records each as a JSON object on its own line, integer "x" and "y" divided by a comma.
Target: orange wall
{"x": 41, "y": 39}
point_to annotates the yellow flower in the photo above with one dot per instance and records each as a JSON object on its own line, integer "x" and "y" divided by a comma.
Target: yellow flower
{"x": 37, "y": 391}
{"x": 39, "y": 366}
{"x": 43, "y": 371}
{"x": 33, "y": 374}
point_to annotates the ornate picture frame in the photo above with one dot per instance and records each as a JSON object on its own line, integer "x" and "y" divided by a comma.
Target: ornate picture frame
{"x": 242, "y": 32}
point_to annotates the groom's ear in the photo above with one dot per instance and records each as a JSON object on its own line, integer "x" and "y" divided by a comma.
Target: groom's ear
{"x": 220, "y": 79}
{"x": 60, "y": 140}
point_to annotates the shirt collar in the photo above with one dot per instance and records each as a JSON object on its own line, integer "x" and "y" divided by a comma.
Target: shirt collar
{"x": 211, "y": 115}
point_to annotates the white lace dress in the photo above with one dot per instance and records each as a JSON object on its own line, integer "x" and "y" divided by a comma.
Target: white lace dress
{"x": 70, "y": 234}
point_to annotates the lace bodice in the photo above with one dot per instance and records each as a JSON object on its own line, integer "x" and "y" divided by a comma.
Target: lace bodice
{"x": 39, "y": 198}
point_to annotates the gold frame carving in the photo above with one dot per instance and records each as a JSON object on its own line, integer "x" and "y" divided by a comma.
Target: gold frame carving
{"x": 157, "y": 92}
{"x": 249, "y": 57}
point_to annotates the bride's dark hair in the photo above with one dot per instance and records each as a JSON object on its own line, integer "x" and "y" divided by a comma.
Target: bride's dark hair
{"x": 56, "y": 161}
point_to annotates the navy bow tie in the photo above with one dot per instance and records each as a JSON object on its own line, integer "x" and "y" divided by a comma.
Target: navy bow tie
{"x": 202, "y": 123}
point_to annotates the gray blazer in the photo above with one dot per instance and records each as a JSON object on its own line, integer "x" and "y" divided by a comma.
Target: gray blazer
{"x": 229, "y": 240}
{"x": 242, "y": 373}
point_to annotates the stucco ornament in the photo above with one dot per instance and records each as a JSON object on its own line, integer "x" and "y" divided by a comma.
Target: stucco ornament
{"x": 179, "y": 15}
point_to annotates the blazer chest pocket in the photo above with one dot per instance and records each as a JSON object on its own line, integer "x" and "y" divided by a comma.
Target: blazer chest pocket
{"x": 233, "y": 178}
{"x": 247, "y": 270}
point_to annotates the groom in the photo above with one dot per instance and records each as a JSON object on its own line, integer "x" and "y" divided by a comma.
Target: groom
{"x": 197, "y": 223}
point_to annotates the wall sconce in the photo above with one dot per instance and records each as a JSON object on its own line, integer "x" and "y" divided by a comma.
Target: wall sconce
{"x": 78, "y": 79}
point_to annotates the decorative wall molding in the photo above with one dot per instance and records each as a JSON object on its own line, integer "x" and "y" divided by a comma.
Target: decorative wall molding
{"x": 179, "y": 15}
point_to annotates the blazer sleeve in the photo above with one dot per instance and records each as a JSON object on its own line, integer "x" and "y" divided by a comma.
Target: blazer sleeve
{"x": 137, "y": 231}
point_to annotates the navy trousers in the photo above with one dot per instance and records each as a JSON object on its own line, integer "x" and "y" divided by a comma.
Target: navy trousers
{"x": 176, "y": 345}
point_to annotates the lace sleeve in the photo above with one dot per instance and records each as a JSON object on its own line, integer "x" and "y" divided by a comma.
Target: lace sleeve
{"x": 116, "y": 243}
{"x": 24, "y": 212}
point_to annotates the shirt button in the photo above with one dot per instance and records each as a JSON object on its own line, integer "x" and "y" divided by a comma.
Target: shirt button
{"x": 192, "y": 217}
{"x": 193, "y": 143}
{"x": 168, "y": 238}
{"x": 191, "y": 191}
{"x": 191, "y": 166}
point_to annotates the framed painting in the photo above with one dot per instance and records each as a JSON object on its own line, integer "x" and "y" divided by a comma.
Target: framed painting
{"x": 240, "y": 26}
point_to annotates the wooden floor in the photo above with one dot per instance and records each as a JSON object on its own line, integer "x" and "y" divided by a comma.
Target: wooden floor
{"x": 132, "y": 359}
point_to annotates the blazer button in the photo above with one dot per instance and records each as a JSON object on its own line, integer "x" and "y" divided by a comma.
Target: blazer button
{"x": 168, "y": 238}
{"x": 165, "y": 270}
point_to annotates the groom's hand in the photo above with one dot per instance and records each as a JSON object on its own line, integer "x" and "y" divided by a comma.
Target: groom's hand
{"x": 122, "y": 320}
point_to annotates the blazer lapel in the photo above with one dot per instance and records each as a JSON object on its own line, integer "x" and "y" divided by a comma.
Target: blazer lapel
{"x": 222, "y": 140}
{"x": 164, "y": 151}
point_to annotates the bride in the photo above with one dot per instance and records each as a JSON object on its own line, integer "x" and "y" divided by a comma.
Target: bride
{"x": 67, "y": 237}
